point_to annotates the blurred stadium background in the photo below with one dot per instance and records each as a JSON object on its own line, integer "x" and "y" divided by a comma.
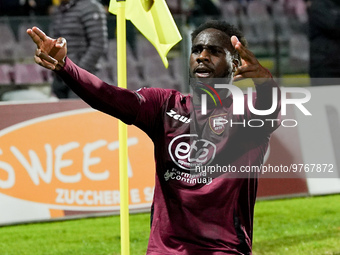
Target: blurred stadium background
{"x": 277, "y": 31}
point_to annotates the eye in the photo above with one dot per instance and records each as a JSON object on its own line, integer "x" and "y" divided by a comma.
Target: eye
{"x": 196, "y": 50}
{"x": 216, "y": 51}
{"x": 213, "y": 51}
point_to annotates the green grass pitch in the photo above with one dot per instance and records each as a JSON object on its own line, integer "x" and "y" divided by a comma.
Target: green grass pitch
{"x": 281, "y": 227}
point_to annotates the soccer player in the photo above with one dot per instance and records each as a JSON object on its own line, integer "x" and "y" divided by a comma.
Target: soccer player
{"x": 195, "y": 212}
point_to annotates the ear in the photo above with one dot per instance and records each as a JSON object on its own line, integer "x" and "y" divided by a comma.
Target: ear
{"x": 236, "y": 64}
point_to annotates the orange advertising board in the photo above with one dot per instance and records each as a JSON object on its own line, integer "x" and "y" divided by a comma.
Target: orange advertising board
{"x": 68, "y": 161}
{"x": 59, "y": 159}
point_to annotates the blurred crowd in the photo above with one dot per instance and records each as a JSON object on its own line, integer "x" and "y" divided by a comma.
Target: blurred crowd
{"x": 31, "y": 7}
{"x": 188, "y": 7}
{"x": 302, "y": 36}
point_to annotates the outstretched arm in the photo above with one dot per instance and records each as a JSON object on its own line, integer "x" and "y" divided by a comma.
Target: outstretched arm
{"x": 139, "y": 108}
{"x": 51, "y": 53}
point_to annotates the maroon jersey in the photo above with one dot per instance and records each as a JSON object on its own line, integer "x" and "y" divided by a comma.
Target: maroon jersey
{"x": 194, "y": 211}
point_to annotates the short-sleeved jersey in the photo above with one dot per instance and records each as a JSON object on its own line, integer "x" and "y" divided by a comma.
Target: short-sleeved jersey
{"x": 194, "y": 211}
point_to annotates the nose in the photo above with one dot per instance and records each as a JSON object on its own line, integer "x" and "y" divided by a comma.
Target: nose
{"x": 204, "y": 56}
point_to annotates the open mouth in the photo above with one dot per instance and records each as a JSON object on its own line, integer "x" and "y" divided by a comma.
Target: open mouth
{"x": 203, "y": 72}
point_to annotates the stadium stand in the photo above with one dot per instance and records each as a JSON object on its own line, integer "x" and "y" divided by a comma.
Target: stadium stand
{"x": 230, "y": 10}
{"x": 275, "y": 29}
{"x": 299, "y": 53}
{"x": 156, "y": 74}
{"x": 8, "y": 43}
{"x": 30, "y": 73}
{"x": 5, "y": 74}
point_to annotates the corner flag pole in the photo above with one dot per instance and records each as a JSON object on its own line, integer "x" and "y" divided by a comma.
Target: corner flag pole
{"x": 153, "y": 19}
{"x": 122, "y": 132}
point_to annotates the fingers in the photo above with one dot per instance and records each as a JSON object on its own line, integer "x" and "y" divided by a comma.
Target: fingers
{"x": 234, "y": 41}
{"x": 45, "y": 56}
{"x": 244, "y": 52}
{"x": 45, "y": 60}
{"x": 246, "y": 72}
{"x": 47, "y": 48}
{"x": 44, "y": 63}
{"x": 39, "y": 33}
{"x": 36, "y": 39}
{"x": 252, "y": 71}
{"x": 258, "y": 73}
{"x": 250, "y": 68}
{"x": 245, "y": 68}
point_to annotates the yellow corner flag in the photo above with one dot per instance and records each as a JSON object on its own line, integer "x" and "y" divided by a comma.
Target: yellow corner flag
{"x": 153, "y": 19}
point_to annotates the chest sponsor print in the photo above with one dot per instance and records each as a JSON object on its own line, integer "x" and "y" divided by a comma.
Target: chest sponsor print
{"x": 187, "y": 178}
{"x": 188, "y": 151}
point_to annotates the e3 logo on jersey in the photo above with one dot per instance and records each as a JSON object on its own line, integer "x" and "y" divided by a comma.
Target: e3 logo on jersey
{"x": 187, "y": 152}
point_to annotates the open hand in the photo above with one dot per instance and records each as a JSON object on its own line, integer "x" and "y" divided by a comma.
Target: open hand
{"x": 250, "y": 67}
{"x": 50, "y": 52}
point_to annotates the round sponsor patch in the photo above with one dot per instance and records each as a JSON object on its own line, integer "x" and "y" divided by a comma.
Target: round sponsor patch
{"x": 187, "y": 151}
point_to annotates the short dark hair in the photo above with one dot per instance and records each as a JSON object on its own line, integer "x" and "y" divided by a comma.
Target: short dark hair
{"x": 223, "y": 26}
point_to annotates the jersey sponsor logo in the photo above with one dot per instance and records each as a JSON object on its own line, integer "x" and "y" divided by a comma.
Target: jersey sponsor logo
{"x": 173, "y": 114}
{"x": 217, "y": 123}
{"x": 187, "y": 151}
{"x": 187, "y": 178}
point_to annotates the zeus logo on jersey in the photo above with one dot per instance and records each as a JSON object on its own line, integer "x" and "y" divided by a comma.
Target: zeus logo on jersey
{"x": 187, "y": 152}
{"x": 173, "y": 114}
